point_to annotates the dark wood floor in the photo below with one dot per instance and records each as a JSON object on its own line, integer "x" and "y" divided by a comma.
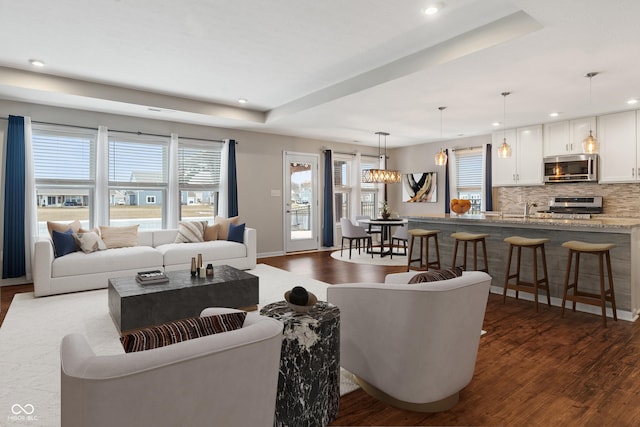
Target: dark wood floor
{"x": 533, "y": 369}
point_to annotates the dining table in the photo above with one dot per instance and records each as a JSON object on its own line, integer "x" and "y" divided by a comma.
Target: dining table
{"x": 385, "y": 226}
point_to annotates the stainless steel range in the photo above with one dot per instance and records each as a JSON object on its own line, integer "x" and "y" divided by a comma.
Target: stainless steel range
{"x": 562, "y": 207}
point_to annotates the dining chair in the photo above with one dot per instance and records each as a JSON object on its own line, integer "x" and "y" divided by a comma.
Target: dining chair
{"x": 401, "y": 235}
{"x": 353, "y": 232}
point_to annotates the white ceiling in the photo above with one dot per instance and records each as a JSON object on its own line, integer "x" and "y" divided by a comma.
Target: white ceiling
{"x": 334, "y": 70}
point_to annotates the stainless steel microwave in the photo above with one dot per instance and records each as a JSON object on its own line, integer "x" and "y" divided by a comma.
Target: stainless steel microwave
{"x": 571, "y": 168}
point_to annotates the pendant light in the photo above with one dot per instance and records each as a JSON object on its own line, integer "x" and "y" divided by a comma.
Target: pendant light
{"x": 590, "y": 143}
{"x": 381, "y": 176}
{"x": 441, "y": 157}
{"x": 504, "y": 151}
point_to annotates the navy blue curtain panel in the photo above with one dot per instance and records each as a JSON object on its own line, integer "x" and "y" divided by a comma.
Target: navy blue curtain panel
{"x": 327, "y": 214}
{"x": 13, "y": 263}
{"x": 447, "y": 195}
{"x": 232, "y": 181}
{"x": 488, "y": 196}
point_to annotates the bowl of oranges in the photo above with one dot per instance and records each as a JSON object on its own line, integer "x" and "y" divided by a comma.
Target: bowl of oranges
{"x": 460, "y": 206}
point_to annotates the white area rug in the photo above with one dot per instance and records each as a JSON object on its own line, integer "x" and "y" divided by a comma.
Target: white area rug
{"x": 364, "y": 258}
{"x": 33, "y": 329}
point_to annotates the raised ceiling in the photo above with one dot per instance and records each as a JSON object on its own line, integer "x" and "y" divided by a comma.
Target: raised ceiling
{"x": 333, "y": 70}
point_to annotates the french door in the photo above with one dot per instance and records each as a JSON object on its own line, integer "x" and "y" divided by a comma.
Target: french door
{"x": 300, "y": 201}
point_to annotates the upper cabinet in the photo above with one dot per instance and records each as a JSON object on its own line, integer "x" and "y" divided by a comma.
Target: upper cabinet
{"x": 524, "y": 167}
{"x": 565, "y": 137}
{"x": 618, "y": 137}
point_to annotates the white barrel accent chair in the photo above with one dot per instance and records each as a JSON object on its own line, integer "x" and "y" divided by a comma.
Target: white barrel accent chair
{"x": 413, "y": 346}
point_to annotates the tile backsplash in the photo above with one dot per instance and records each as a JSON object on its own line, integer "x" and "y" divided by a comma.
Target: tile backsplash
{"x": 620, "y": 200}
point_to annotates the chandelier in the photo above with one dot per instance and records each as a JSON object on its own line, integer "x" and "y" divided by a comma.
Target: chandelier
{"x": 381, "y": 176}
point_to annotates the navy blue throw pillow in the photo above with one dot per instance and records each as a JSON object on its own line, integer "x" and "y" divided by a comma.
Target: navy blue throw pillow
{"x": 64, "y": 243}
{"x": 236, "y": 233}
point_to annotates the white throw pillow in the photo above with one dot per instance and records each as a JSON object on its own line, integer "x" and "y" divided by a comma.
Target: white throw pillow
{"x": 191, "y": 231}
{"x": 119, "y": 237}
{"x": 90, "y": 242}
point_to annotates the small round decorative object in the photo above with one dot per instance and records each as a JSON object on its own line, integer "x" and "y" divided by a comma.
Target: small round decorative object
{"x": 300, "y": 300}
{"x": 460, "y": 206}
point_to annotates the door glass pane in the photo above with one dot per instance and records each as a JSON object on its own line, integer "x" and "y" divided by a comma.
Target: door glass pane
{"x": 301, "y": 199}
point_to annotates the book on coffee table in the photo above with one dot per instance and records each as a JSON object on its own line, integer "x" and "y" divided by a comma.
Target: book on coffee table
{"x": 150, "y": 277}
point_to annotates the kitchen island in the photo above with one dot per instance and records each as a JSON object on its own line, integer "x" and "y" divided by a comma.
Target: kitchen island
{"x": 623, "y": 232}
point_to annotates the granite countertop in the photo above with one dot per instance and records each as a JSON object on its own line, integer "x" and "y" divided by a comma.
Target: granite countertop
{"x": 597, "y": 222}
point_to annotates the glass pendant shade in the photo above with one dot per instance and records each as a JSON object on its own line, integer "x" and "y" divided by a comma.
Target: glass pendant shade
{"x": 590, "y": 144}
{"x": 504, "y": 152}
{"x": 381, "y": 176}
{"x": 441, "y": 158}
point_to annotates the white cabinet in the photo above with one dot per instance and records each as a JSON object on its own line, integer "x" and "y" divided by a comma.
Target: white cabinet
{"x": 524, "y": 167}
{"x": 618, "y": 137}
{"x": 565, "y": 137}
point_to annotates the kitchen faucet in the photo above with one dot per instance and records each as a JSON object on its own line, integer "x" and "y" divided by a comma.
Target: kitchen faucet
{"x": 527, "y": 207}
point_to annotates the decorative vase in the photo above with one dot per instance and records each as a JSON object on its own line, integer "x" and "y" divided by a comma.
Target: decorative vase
{"x": 385, "y": 215}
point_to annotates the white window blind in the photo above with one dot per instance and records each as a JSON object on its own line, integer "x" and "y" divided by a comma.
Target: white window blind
{"x": 341, "y": 173}
{"x": 199, "y": 164}
{"x": 63, "y": 155}
{"x": 469, "y": 169}
{"x": 138, "y": 158}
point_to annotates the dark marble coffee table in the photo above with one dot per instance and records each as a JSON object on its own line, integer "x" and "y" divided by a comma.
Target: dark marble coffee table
{"x": 134, "y": 306}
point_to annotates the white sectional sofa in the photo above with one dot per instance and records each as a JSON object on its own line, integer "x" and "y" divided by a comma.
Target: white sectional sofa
{"x": 80, "y": 271}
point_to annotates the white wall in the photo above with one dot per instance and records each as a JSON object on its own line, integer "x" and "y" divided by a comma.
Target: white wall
{"x": 259, "y": 159}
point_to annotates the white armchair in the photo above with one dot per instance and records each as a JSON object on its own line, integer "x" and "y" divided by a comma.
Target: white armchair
{"x": 227, "y": 379}
{"x": 412, "y": 346}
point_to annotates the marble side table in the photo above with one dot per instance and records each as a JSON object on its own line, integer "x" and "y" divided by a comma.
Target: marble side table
{"x": 309, "y": 380}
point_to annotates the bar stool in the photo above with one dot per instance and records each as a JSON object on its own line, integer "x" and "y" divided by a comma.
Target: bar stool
{"x": 424, "y": 236}
{"x": 519, "y": 285}
{"x": 601, "y": 250}
{"x": 470, "y": 238}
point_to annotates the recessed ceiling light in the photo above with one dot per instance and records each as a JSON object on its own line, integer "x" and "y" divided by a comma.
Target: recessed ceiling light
{"x": 36, "y": 62}
{"x": 430, "y": 10}
{"x": 632, "y": 101}
{"x": 554, "y": 114}
{"x": 242, "y": 101}
{"x": 496, "y": 124}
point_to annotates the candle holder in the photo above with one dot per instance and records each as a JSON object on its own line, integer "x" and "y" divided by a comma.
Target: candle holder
{"x": 193, "y": 267}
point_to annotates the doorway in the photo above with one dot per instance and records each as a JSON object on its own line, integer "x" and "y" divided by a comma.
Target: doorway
{"x": 300, "y": 201}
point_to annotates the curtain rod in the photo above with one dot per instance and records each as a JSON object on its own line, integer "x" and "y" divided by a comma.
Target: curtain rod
{"x": 121, "y": 131}
{"x": 350, "y": 154}
{"x": 467, "y": 148}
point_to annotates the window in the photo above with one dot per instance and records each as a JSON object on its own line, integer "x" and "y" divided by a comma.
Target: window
{"x": 469, "y": 177}
{"x": 341, "y": 186}
{"x": 138, "y": 172}
{"x": 368, "y": 191}
{"x": 64, "y": 166}
{"x": 199, "y": 179}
